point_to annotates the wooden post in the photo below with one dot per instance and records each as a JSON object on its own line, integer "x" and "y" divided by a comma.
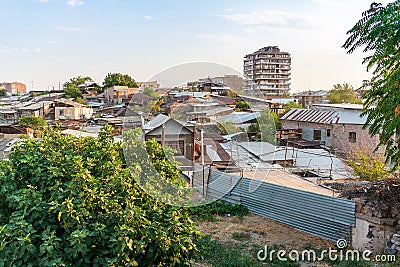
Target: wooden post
{"x": 163, "y": 135}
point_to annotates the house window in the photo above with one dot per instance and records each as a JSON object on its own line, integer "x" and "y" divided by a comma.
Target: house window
{"x": 61, "y": 112}
{"x": 352, "y": 137}
{"x": 179, "y": 146}
{"x": 317, "y": 134}
{"x": 328, "y": 132}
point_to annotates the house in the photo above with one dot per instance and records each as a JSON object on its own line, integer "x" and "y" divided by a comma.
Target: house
{"x": 200, "y": 110}
{"x": 37, "y": 109}
{"x": 88, "y": 88}
{"x": 175, "y": 134}
{"x": 119, "y": 94}
{"x": 309, "y": 98}
{"x": 338, "y": 126}
{"x": 242, "y": 119}
{"x": 9, "y": 115}
{"x": 65, "y": 109}
{"x": 151, "y": 84}
{"x": 139, "y": 99}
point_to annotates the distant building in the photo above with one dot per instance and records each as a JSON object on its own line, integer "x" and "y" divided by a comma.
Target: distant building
{"x": 37, "y": 109}
{"x": 234, "y": 82}
{"x": 14, "y": 87}
{"x": 119, "y": 94}
{"x": 309, "y": 98}
{"x": 267, "y": 70}
{"x": 152, "y": 84}
{"x": 65, "y": 109}
{"x": 339, "y": 126}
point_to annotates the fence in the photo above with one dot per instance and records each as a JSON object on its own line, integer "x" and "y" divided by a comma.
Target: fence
{"x": 329, "y": 217}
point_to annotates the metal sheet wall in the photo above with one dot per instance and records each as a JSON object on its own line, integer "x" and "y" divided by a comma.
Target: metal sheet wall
{"x": 325, "y": 216}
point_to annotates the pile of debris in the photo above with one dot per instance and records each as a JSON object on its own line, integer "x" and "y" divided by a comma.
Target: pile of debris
{"x": 393, "y": 245}
{"x": 379, "y": 199}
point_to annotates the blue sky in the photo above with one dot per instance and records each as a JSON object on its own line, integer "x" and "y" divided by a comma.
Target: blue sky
{"x": 51, "y": 41}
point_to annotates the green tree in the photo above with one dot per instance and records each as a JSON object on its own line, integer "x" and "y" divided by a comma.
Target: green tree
{"x": 266, "y": 125}
{"x": 81, "y": 101}
{"x": 2, "y": 92}
{"x": 67, "y": 201}
{"x": 242, "y": 105}
{"x": 343, "y": 93}
{"x": 367, "y": 165}
{"x": 32, "y": 122}
{"x": 291, "y": 105}
{"x": 71, "y": 89}
{"x": 378, "y": 32}
{"x": 150, "y": 92}
{"x": 118, "y": 79}
{"x": 227, "y": 127}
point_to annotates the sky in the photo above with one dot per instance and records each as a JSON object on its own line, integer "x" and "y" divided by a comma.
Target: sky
{"x": 46, "y": 42}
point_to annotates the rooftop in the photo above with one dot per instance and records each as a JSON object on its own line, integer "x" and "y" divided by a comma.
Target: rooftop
{"x": 326, "y": 115}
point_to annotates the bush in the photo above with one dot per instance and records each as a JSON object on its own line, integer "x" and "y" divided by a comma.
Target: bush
{"x": 66, "y": 201}
{"x": 219, "y": 207}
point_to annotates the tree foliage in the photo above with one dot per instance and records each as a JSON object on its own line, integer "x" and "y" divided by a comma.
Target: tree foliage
{"x": 368, "y": 166}
{"x": 266, "y": 125}
{"x": 378, "y": 32}
{"x": 151, "y": 92}
{"x": 32, "y": 122}
{"x": 227, "y": 127}
{"x": 242, "y": 105}
{"x": 291, "y": 105}
{"x": 118, "y": 79}
{"x": 67, "y": 201}
{"x": 343, "y": 93}
{"x": 71, "y": 89}
{"x": 2, "y": 92}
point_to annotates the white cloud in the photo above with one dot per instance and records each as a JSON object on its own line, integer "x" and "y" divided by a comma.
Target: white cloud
{"x": 75, "y": 2}
{"x": 259, "y": 20}
{"x": 52, "y": 42}
{"x": 37, "y": 50}
{"x": 149, "y": 17}
{"x": 68, "y": 29}
{"x": 44, "y": 1}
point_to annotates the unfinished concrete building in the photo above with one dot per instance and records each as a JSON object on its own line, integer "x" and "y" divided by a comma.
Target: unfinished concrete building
{"x": 267, "y": 71}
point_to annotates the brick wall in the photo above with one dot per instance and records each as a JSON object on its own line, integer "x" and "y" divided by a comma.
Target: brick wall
{"x": 339, "y": 135}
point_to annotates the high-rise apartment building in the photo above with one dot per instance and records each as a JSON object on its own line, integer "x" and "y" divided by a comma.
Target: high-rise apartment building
{"x": 267, "y": 71}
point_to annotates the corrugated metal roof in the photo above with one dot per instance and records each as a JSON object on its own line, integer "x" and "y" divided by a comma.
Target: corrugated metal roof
{"x": 311, "y": 115}
{"x": 161, "y": 119}
{"x": 325, "y": 116}
{"x": 241, "y": 117}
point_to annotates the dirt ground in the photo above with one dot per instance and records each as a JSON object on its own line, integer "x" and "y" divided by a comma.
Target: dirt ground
{"x": 260, "y": 231}
{"x": 254, "y": 231}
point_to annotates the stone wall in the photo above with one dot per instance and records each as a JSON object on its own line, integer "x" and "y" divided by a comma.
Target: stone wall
{"x": 376, "y": 225}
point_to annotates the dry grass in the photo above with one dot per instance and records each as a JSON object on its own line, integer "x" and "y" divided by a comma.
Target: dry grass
{"x": 257, "y": 231}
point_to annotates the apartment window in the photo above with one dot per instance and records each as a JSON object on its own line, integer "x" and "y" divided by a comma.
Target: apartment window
{"x": 328, "y": 132}
{"x": 352, "y": 137}
{"x": 317, "y": 134}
